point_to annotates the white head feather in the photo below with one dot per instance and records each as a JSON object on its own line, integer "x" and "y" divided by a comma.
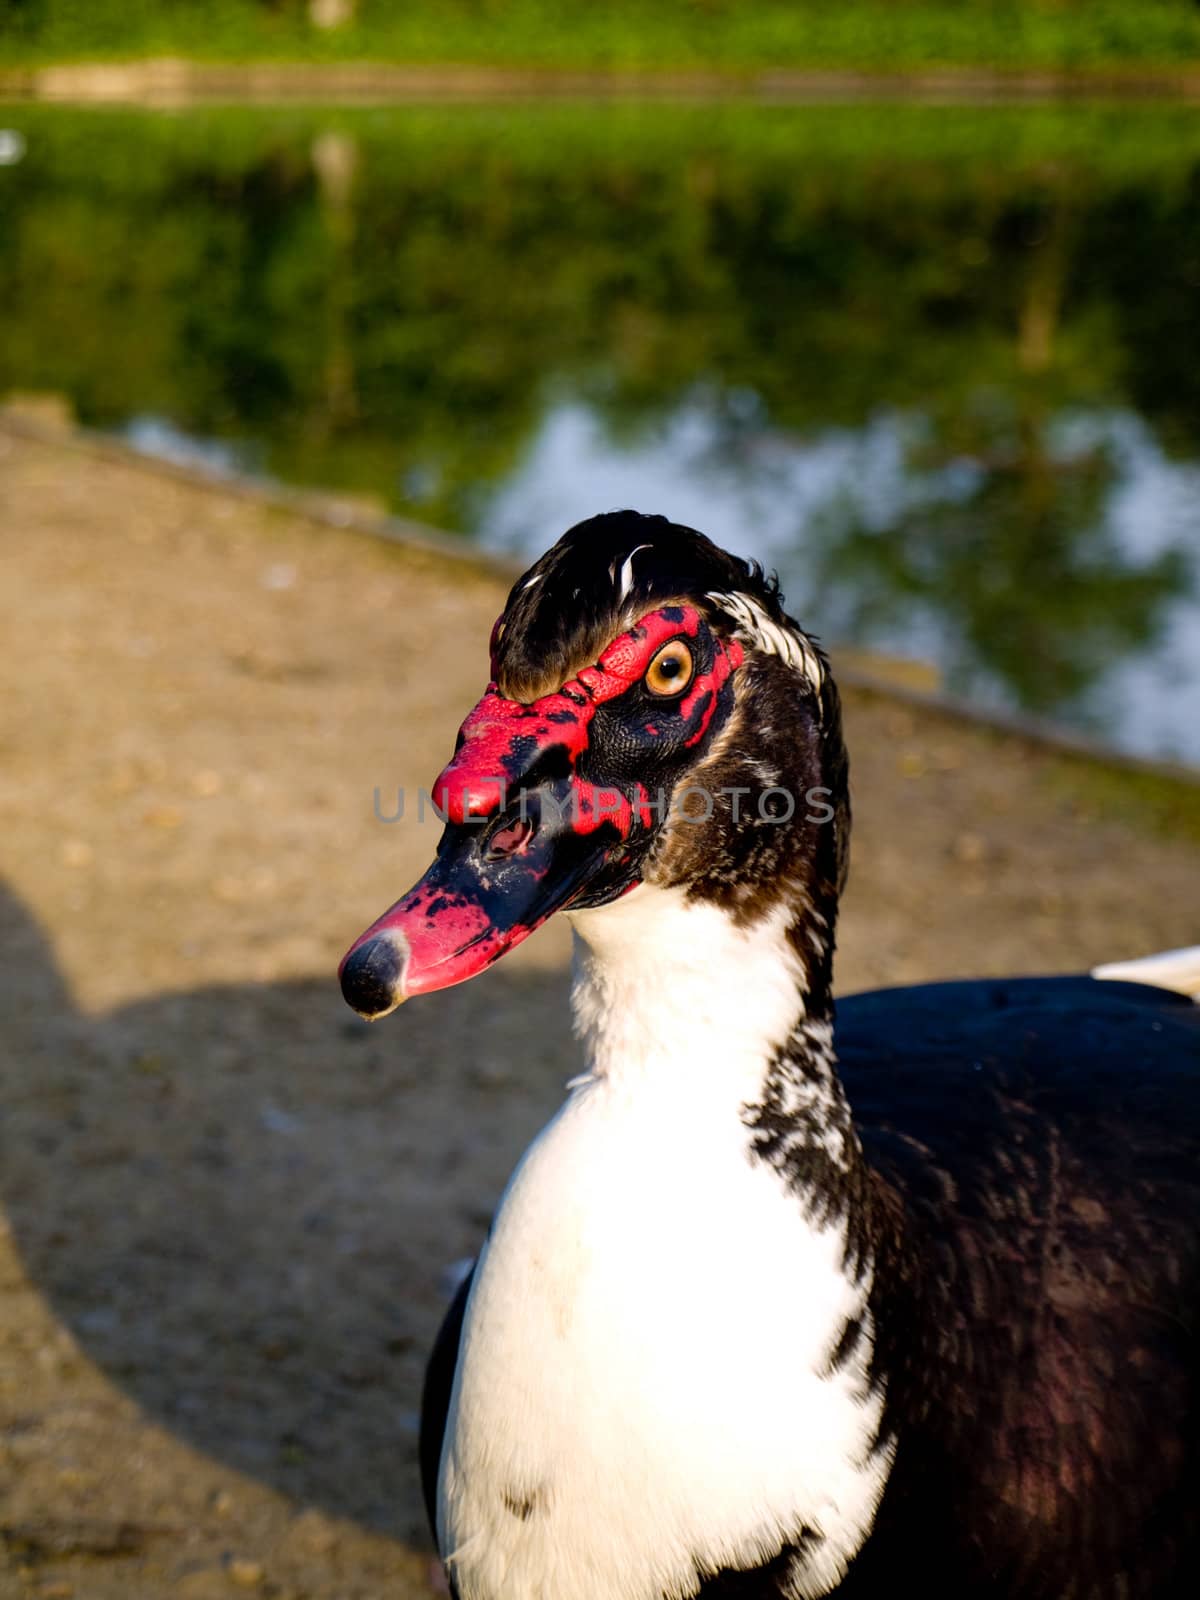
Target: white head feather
{"x": 755, "y": 628}
{"x": 625, "y": 582}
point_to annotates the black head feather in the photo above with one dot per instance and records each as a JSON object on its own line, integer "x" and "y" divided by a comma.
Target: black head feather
{"x": 600, "y": 575}
{"x": 782, "y": 747}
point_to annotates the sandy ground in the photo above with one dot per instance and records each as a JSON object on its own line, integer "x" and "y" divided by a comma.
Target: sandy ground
{"x": 226, "y": 1203}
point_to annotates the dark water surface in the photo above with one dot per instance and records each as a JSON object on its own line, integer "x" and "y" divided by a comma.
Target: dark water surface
{"x": 939, "y": 366}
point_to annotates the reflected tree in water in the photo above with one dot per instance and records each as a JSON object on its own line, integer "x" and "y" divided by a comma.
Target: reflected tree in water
{"x": 394, "y": 304}
{"x": 1020, "y": 570}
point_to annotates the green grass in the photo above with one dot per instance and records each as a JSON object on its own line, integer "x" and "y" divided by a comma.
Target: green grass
{"x": 1156, "y": 142}
{"x": 729, "y": 36}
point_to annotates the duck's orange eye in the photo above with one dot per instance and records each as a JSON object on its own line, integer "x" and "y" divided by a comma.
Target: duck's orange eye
{"x": 671, "y": 670}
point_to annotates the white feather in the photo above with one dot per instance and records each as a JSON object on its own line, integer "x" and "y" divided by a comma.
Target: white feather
{"x": 626, "y": 583}
{"x": 644, "y": 1361}
{"x": 1169, "y": 969}
{"x": 757, "y": 629}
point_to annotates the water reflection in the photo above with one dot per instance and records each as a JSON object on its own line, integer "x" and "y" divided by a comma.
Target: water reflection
{"x": 938, "y": 367}
{"x": 1081, "y": 601}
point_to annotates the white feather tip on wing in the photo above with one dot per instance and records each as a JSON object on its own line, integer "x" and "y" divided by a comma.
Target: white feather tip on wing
{"x": 1169, "y": 969}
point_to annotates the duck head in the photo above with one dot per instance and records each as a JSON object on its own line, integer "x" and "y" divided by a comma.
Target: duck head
{"x": 653, "y": 716}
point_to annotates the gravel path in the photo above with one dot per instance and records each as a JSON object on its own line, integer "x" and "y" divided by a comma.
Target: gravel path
{"x": 227, "y": 1204}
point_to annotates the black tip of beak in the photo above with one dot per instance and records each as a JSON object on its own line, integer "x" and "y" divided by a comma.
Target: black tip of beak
{"x": 372, "y": 976}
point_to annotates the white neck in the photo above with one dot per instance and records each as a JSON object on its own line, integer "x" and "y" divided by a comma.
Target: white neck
{"x": 644, "y": 1389}
{"x": 671, "y": 995}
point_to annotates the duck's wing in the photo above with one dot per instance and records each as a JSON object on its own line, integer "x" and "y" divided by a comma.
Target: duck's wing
{"x": 435, "y": 1396}
{"x": 1022, "y": 1116}
{"x": 1042, "y": 1140}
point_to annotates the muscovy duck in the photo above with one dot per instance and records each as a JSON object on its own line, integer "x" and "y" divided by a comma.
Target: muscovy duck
{"x": 772, "y": 1308}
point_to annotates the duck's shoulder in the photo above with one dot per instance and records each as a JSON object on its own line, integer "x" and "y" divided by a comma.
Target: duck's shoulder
{"x": 1035, "y": 1121}
{"x": 945, "y": 1010}
{"x": 990, "y": 1059}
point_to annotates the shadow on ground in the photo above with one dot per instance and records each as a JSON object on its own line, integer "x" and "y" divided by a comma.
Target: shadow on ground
{"x": 240, "y": 1201}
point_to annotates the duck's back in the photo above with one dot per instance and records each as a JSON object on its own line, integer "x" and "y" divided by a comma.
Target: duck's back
{"x": 1040, "y": 1330}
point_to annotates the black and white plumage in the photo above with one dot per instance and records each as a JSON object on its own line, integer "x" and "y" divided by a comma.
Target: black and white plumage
{"x": 775, "y": 1307}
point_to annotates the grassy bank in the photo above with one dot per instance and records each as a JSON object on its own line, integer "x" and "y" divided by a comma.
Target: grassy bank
{"x": 645, "y": 35}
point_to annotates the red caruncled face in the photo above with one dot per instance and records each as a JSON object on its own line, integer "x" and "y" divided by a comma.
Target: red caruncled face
{"x": 550, "y": 804}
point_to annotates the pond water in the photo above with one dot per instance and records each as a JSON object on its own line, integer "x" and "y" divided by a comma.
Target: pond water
{"x": 940, "y": 367}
